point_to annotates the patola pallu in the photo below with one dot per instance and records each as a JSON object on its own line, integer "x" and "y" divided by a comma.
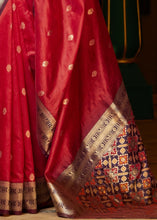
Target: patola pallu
{"x": 66, "y": 118}
{"x": 97, "y": 165}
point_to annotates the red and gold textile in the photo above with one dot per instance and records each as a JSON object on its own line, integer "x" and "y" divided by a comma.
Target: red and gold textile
{"x": 96, "y": 160}
{"x": 17, "y": 178}
{"x": 65, "y": 116}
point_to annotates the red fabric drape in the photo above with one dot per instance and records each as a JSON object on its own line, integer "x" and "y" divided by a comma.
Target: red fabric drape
{"x": 66, "y": 121}
{"x": 74, "y": 71}
{"x": 17, "y": 178}
{"x": 84, "y": 115}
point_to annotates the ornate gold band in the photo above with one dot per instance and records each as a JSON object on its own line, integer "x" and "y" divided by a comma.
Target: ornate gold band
{"x": 15, "y": 197}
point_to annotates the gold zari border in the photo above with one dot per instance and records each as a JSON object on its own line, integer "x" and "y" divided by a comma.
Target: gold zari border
{"x": 46, "y": 126}
{"x": 97, "y": 142}
{"x": 62, "y": 203}
{"x": 17, "y": 196}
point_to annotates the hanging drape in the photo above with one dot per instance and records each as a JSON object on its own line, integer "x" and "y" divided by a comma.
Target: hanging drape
{"x": 66, "y": 121}
{"x": 97, "y": 165}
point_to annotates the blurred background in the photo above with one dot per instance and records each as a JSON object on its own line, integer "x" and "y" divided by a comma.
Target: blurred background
{"x": 132, "y": 25}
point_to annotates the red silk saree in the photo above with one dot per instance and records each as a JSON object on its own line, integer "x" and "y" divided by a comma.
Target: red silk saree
{"x": 17, "y": 177}
{"x": 96, "y": 165}
{"x": 66, "y": 117}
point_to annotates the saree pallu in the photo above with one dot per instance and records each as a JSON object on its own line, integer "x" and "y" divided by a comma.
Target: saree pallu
{"x": 17, "y": 178}
{"x": 96, "y": 165}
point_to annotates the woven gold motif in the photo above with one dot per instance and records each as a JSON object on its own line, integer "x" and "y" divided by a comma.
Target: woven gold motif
{"x": 124, "y": 181}
{"x": 97, "y": 142}
{"x": 46, "y": 127}
{"x": 17, "y": 196}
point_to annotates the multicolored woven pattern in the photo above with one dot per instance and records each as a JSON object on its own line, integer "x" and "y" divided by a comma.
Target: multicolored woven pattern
{"x": 122, "y": 176}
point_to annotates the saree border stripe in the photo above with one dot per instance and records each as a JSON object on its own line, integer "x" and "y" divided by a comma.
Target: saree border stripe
{"x": 15, "y": 197}
{"x": 46, "y": 127}
{"x": 97, "y": 142}
{"x": 62, "y": 204}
